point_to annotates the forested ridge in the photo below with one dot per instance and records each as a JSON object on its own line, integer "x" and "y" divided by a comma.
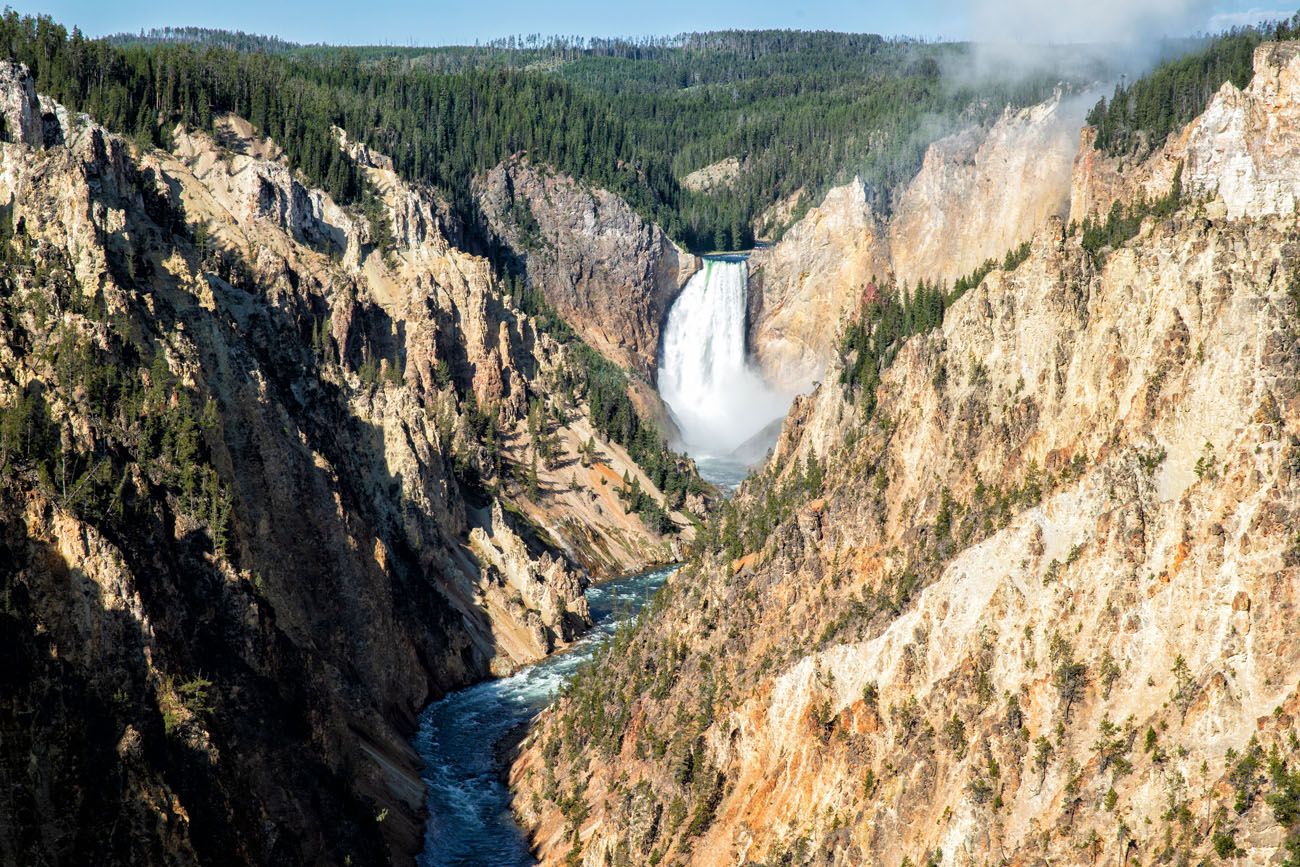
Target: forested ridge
{"x": 1140, "y": 116}
{"x": 801, "y": 111}
{"x": 235, "y": 40}
{"x": 440, "y": 129}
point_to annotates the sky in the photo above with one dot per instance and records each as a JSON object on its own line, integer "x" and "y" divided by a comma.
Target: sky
{"x": 442, "y": 22}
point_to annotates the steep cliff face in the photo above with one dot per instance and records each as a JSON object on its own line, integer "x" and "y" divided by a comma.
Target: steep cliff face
{"x": 258, "y": 501}
{"x": 1244, "y": 148}
{"x": 979, "y": 194}
{"x": 1100, "y": 181}
{"x": 802, "y": 286}
{"x": 1035, "y": 606}
{"x": 425, "y": 316}
{"x": 1239, "y": 155}
{"x": 20, "y": 107}
{"x": 608, "y": 272}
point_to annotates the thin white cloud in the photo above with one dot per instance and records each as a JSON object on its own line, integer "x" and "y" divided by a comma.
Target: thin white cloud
{"x": 1225, "y": 20}
{"x": 1022, "y": 37}
{"x": 1075, "y": 21}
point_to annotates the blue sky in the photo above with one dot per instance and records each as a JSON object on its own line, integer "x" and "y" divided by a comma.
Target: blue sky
{"x": 404, "y": 22}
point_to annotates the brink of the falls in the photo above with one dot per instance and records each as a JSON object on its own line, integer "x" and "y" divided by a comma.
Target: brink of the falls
{"x": 718, "y": 400}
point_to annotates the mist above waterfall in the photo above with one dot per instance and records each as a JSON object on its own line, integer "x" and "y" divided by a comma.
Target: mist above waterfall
{"x": 716, "y": 398}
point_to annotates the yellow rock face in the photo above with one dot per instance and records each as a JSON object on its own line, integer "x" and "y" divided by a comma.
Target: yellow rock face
{"x": 979, "y": 193}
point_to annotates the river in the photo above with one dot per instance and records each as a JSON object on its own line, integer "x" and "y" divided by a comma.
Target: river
{"x": 470, "y": 822}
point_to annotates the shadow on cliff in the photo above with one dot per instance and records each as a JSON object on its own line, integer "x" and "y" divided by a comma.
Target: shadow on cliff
{"x": 103, "y": 764}
{"x": 336, "y": 629}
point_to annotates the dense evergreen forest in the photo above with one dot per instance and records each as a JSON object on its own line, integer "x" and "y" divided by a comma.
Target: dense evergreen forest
{"x": 801, "y": 111}
{"x": 1140, "y": 116}
{"x": 441, "y": 129}
{"x": 235, "y": 40}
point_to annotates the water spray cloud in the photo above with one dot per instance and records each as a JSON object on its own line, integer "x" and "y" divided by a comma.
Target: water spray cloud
{"x": 1080, "y": 38}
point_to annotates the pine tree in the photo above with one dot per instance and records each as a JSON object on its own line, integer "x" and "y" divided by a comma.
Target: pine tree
{"x": 813, "y": 474}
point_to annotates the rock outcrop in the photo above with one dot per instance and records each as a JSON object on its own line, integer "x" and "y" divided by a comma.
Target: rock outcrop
{"x": 611, "y": 274}
{"x": 265, "y": 191}
{"x": 1100, "y": 181}
{"x": 19, "y": 106}
{"x": 979, "y": 194}
{"x": 723, "y": 173}
{"x": 800, "y": 288}
{"x": 1240, "y": 156}
{"x": 546, "y": 594}
{"x": 1037, "y": 607}
{"x": 1244, "y": 147}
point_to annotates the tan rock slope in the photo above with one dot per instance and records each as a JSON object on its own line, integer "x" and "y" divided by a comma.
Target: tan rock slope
{"x": 1038, "y": 607}
{"x": 979, "y": 193}
{"x": 263, "y": 495}
{"x": 1241, "y": 152}
{"x": 801, "y": 288}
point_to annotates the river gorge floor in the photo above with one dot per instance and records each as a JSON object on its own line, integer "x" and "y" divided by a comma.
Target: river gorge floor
{"x": 469, "y": 807}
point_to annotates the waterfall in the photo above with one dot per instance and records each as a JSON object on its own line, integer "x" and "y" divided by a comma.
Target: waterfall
{"x": 716, "y": 398}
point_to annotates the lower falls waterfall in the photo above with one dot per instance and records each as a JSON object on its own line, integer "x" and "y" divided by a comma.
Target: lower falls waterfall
{"x": 719, "y": 402}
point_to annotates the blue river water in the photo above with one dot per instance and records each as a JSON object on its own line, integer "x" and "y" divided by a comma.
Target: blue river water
{"x": 470, "y": 822}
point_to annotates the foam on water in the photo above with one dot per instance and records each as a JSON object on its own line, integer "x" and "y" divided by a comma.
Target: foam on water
{"x": 469, "y": 809}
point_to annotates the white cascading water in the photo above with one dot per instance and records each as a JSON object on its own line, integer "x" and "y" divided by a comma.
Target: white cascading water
{"x": 717, "y": 399}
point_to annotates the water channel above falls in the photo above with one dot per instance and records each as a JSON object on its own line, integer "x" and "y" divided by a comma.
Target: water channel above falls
{"x": 469, "y": 808}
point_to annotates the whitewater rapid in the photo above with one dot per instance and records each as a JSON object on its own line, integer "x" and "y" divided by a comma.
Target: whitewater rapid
{"x": 717, "y": 399}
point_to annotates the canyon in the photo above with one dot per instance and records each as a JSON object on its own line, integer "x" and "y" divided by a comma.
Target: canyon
{"x": 348, "y": 518}
{"x": 978, "y": 194}
{"x": 245, "y": 646}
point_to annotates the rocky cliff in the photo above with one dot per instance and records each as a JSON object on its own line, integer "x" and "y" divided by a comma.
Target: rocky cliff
{"x": 979, "y": 193}
{"x": 1239, "y": 155}
{"x": 1031, "y": 600}
{"x": 800, "y": 288}
{"x": 607, "y": 271}
{"x": 265, "y": 493}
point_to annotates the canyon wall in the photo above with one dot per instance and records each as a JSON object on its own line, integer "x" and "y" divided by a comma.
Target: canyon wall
{"x": 264, "y": 495}
{"x": 1239, "y": 156}
{"x": 979, "y": 194}
{"x": 801, "y": 288}
{"x": 607, "y": 271}
{"x": 1031, "y": 600}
